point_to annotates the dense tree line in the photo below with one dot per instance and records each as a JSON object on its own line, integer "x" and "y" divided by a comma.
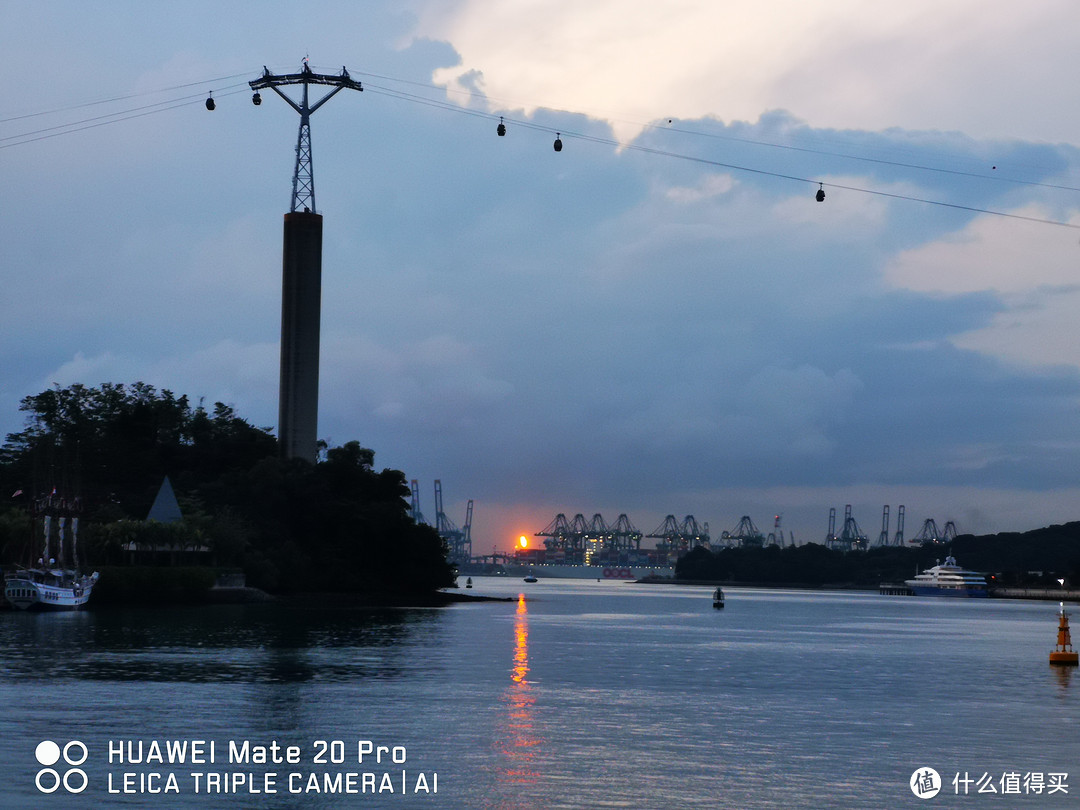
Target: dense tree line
{"x": 1053, "y": 551}
{"x": 1037, "y": 557}
{"x": 292, "y": 526}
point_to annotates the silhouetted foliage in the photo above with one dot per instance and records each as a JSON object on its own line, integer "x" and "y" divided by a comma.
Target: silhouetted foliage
{"x": 1037, "y": 557}
{"x": 337, "y": 525}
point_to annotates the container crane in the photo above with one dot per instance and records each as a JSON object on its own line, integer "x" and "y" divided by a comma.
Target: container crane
{"x": 458, "y": 541}
{"x": 898, "y": 538}
{"x": 417, "y": 515}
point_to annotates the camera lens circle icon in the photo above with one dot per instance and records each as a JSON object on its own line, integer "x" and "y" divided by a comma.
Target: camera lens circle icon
{"x": 48, "y": 752}
{"x": 75, "y": 749}
{"x": 75, "y": 780}
{"x": 47, "y": 780}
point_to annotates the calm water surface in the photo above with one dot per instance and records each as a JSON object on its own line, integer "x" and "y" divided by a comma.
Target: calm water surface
{"x": 581, "y": 694}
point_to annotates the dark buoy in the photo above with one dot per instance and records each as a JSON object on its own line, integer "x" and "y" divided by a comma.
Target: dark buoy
{"x": 558, "y": 142}
{"x": 256, "y": 99}
{"x": 501, "y": 129}
{"x": 210, "y": 102}
{"x": 820, "y": 196}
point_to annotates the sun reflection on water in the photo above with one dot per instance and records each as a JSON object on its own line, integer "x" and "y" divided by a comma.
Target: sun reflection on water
{"x": 518, "y": 743}
{"x": 521, "y": 643}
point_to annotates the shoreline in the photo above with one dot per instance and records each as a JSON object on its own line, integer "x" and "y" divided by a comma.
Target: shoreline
{"x": 254, "y": 596}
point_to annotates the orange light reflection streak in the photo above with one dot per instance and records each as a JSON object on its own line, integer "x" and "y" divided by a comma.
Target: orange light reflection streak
{"x": 519, "y": 743}
{"x": 521, "y": 642}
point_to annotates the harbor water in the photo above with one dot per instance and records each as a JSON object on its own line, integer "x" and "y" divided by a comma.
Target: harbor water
{"x": 571, "y": 694}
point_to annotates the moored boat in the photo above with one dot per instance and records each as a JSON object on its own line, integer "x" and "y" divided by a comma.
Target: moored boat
{"x": 42, "y": 588}
{"x": 948, "y": 579}
{"x": 49, "y": 585}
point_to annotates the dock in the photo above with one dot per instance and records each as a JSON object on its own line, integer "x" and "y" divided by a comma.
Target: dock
{"x": 1046, "y": 594}
{"x": 895, "y": 589}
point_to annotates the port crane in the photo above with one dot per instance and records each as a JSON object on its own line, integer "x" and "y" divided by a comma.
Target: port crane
{"x": 883, "y": 538}
{"x": 851, "y": 537}
{"x": 744, "y": 535}
{"x": 927, "y": 534}
{"x": 776, "y": 536}
{"x": 677, "y": 538}
{"x": 458, "y": 541}
{"x": 417, "y": 515}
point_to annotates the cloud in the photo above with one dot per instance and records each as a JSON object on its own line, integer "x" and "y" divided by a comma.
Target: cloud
{"x": 1043, "y": 332}
{"x": 709, "y": 186}
{"x": 1033, "y": 270}
{"x": 846, "y": 64}
{"x": 429, "y": 387}
{"x": 993, "y": 255}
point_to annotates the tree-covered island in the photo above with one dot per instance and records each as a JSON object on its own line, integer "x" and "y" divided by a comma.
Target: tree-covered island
{"x": 1036, "y": 558}
{"x": 337, "y": 526}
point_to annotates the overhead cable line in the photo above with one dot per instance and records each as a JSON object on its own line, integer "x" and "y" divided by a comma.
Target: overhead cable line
{"x": 122, "y": 98}
{"x": 44, "y": 133}
{"x": 882, "y": 161}
{"x": 138, "y": 112}
{"x": 732, "y": 166}
{"x": 652, "y": 126}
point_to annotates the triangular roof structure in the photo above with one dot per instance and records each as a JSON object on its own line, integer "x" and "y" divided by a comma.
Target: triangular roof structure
{"x": 165, "y": 508}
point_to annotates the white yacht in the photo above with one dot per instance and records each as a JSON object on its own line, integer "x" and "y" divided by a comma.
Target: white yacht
{"x": 948, "y": 580}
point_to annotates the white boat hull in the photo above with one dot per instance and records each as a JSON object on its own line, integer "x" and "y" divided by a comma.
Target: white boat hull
{"x": 948, "y": 580}
{"x": 25, "y": 593}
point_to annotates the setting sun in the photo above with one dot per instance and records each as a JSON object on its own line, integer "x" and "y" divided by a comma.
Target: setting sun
{"x": 523, "y": 542}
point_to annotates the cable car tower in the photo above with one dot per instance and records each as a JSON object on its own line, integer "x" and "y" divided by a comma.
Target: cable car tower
{"x": 301, "y": 276}
{"x": 303, "y": 194}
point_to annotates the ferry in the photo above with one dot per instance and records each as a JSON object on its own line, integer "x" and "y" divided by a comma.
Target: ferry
{"x": 948, "y": 580}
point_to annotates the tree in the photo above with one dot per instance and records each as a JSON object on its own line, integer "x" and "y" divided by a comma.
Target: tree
{"x": 294, "y": 526}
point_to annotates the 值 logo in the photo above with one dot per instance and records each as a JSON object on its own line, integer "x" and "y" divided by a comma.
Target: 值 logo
{"x": 48, "y": 779}
{"x": 925, "y": 783}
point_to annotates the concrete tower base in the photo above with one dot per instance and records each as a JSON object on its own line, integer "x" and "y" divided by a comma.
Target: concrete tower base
{"x": 301, "y": 303}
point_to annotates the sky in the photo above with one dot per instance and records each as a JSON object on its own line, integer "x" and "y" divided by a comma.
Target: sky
{"x": 658, "y": 319}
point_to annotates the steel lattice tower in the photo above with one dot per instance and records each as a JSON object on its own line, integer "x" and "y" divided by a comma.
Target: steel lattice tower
{"x": 301, "y": 276}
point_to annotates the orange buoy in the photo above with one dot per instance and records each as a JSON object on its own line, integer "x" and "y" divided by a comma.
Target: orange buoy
{"x": 1064, "y": 655}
